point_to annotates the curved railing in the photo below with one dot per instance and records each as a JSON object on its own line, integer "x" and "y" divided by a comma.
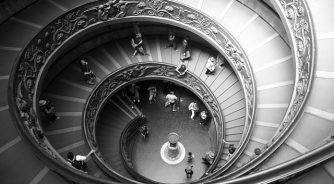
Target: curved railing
{"x": 297, "y": 20}
{"x": 127, "y": 140}
{"x": 286, "y": 169}
{"x": 59, "y": 36}
{"x": 114, "y": 82}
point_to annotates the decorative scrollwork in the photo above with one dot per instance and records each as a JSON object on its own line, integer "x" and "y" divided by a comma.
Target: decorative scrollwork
{"x": 113, "y": 82}
{"x": 300, "y": 27}
{"x": 54, "y": 35}
{"x": 171, "y": 10}
{"x": 298, "y": 21}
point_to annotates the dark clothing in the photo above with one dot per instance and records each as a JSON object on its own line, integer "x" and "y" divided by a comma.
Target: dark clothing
{"x": 144, "y": 131}
{"x": 171, "y": 41}
{"x": 189, "y": 172}
{"x": 49, "y": 111}
{"x": 78, "y": 164}
{"x": 231, "y": 149}
{"x": 208, "y": 72}
{"x": 85, "y": 68}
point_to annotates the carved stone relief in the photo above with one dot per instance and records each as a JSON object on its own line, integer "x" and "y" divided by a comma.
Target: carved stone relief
{"x": 44, "y": 44}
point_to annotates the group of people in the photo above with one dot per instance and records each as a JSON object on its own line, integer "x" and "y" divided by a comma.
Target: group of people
{"x": 138, "y": 47}
{"x": 210, "y": 66}
{"x": 171, "y": 100}
{"x": 204, "y": 116}
{"x": 135, "y": 95}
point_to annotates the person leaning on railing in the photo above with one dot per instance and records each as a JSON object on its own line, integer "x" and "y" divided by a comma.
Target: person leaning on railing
{"x": 208, "y": 158}
{"x": 231, "y": 149}
{"x": 78, "y": 161}
{"x": 181, "y": 69}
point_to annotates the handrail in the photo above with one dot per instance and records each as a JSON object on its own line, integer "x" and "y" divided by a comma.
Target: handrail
{"x": 291, "y": 167}
{"x": 39, "y": 54}
{"x": 297, "y": 20}
{"x": 127, "y": 138}
{"x": 115, "y": 81}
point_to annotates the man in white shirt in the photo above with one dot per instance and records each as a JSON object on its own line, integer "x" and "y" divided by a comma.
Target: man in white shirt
{"x": 193, "y": 107}
{"x": 171, "y": 99}
{"x": 210, "y": 66}
{"x": 78, "y": 161}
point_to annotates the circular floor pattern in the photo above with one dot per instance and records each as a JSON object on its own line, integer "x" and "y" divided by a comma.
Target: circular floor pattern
{"x": 169, "y": 160}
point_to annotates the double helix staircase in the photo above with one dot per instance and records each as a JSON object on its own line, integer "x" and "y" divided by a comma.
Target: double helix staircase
{"x": 273, "y": 69}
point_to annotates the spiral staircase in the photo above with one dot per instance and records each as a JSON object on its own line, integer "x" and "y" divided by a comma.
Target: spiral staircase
{"x": 293, "y": 141}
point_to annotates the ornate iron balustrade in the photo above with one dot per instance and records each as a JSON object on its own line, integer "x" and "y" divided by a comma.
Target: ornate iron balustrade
{"x": 39, "y": 54}
{"x": 286, "y": 169}
{"x": 125, "y": 143}
{"x": 297, "y": 20}
{"x": 127, "y": 140}
{"x": 114, "y": 82}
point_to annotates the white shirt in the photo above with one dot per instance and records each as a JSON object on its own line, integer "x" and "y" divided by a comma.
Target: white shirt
{"x": 203, "y": 115}
{"x": 80, "y": 158}
{"x": 171, "y": 98}
{"x": 210, "y": 65}
{"x": 193, "y": 106}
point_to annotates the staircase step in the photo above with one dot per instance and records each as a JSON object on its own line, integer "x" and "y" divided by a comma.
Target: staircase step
{"x": 14, "y": 158}
{"x": 40, "y": 13}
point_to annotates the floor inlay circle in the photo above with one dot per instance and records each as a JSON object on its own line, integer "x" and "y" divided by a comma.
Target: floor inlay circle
{"x": 172, "y": 160}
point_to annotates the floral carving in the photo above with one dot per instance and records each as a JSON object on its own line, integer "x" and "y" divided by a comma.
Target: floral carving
{"x": 298, "y": 22}
{"x": 39, "y": 50}
{"x": 111, "y": 84}
{"x": 170, "y": 10}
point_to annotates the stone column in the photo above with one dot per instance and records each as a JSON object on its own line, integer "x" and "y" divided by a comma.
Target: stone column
{"x": 173, "y": 146}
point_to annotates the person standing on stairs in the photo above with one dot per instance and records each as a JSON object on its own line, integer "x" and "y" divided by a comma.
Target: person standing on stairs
{"x": 134, "y": 91}
{"x": 49, "y": 110}
{"x": 78, "y": 161}
{"x": 88, "y": 74}
{"x": 171, "y": 100}
{"x": 204, "y": 118}
{"x": 193, "y": 107}
{"x": 144, "y": 131}
{"x": 221, "y": 60}
{"x": 171, "y": 40}
{"x": 138, "y": 45}
{"x": 210, "y": 66}
{"x": 209, "y": 157}
{"x": 185, "y": 51}
{"x": 231, "y": 149}
{"x": 191, "y": 157}
{"x": 137, "y": 42}
{"x": 152, "y": 90}
{"x": 189, "y": 171}
{"x": 181, "y": 69}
